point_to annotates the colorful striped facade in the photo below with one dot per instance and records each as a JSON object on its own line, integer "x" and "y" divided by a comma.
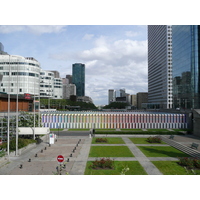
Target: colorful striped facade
{"x": 113, "y": 120}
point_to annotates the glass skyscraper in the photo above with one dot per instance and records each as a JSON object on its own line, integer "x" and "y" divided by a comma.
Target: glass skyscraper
{"x": 186, "y": 63}
{"x": 78, "y": 78}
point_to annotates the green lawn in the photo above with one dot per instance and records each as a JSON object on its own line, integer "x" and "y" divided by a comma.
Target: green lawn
{"x": 105, "y": 129}
{"x": 111, "y": 140}
{"x": 110, "y": 151}
{"x": 131, "y": 129}
{"x": 158, "y": 130}
{"x": 173, "y": 168}
{"x": 143, "y": 141}
{"x": 161, "y": 151}
{"x": 134, "y": 169}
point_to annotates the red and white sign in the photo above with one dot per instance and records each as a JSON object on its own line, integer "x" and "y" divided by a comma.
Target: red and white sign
{"x": 60, "y": 158}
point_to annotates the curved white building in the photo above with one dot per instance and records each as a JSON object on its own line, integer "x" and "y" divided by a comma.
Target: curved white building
{"x": 20, "y": 75}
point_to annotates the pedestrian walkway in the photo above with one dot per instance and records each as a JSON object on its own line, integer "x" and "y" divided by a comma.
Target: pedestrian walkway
{"x": 75, "y": 150}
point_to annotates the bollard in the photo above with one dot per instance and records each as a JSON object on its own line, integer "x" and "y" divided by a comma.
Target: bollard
{"x": 74, "y": 148}
{"x": 64, "y": 166}
{"x": 49, "y": 145}
{"x": 36, "y": 155}
{"x": 71, "y": 155}
{"x": 45, "y": 148}
{"x": 29, "y": 160}
{"x": 42, "y": 151}
{"x": 21, "y": 166}
{"x": 77, "y": 145}
{"x": 73, "y": 151}
{"x": 67, "y": 159}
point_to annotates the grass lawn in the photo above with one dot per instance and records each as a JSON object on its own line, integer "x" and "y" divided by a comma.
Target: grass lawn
{"x": 110, "y": 151}
{"x": 134, "y": 169}
{"x": 111, "y": 140}
{"x": 143, "y": 141}
{"x": 78, "y": 129}
{"x": 161, "y": 151}
{"x": 158, "y": 130}
{"x": 173, "y": 168}
{"x": 104, "y": 129}
{"x": 123, "y": 129}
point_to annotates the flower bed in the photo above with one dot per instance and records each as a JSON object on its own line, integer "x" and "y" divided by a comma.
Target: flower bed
{"x": 101, "y": 140}
{"x": 154, "y": 140}
{"x": 102, "y": 163}
{"x": 190, "y": 163}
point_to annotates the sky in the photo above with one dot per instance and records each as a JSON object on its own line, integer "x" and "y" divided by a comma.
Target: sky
{"x": 115, "y": 56}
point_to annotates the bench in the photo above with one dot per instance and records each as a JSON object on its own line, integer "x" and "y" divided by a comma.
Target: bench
{"x": 171, "y": 137}
{"x": 194, "y": 145}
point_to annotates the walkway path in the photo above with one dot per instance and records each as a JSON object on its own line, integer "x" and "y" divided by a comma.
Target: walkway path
{"x": 46, "y": 162}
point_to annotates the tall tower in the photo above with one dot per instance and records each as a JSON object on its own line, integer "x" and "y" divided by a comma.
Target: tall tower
{"x": 78, "y": 78}
{"x": 160, "y": 65}
{"x": 186, "y": 66}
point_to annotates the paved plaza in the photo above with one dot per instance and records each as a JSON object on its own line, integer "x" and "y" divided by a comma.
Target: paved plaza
{"x": 75, "y": 149}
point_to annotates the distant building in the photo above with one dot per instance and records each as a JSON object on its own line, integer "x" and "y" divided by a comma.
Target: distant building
{"x": 68, "y": 89}
{"x": 118, "y": 96}
{"x": 46, "y": 84}
{"x": 134, "y": 100}
{"x": 78, "y": 78}
{"x": 50, "y": 87}
{"x": 111, "y": 96}
{"x": 56, "y": 74}
{"x": 69, "y": 77}
{"x": 142, "y": 97}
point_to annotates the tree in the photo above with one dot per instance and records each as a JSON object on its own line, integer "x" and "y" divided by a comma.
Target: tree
{"x": 116, "y": 105}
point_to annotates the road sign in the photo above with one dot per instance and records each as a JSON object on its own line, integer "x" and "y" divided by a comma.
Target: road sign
{"x": 60, "y": 158}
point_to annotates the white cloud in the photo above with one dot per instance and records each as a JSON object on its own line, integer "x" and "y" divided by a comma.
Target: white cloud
{"x": 35, "y": 29}
{"x": 131, "y": 34}
{"x": 117, "y": 64}
{"x": 88, "y": 36}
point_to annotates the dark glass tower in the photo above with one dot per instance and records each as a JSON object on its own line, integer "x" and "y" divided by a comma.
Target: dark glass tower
{"x": 78, "y": 78}
{"x": 186, "y": 66}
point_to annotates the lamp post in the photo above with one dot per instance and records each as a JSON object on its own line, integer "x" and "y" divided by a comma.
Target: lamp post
{"x": 8, "y": 122}
{"x": 17, "y": 108}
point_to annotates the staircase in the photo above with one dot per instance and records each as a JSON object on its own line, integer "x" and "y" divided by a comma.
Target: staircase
{"x": 183, "y": 148}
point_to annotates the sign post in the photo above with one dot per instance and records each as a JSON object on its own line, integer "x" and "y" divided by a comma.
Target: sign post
{"x": 60, "y": 159}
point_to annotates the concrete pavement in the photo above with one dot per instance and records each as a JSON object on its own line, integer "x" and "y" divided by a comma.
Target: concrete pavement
{"x": 46, "y": 161}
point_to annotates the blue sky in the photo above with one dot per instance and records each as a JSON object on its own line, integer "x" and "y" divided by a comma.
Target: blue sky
{"x": 115, "y": 56}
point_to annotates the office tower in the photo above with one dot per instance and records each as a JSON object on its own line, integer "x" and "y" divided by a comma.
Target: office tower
{"x": 1, "y": 47}
{"x": 69, "y": 77}
{"x": 160, "y": 65}
{"x": 111, "y": 96}
{"x": 186, "y": 66}
{"x": 20, "y": 75}
{"x": 78, "y": 78}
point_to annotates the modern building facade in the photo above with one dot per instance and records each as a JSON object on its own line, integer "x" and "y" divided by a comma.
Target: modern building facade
{"x": 20, "y": 75}
{"x": 186, "y": 66}
{"x": 78, "y": 78}
{"x": 160, "y": 65}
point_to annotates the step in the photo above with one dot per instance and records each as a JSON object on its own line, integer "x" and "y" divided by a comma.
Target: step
{"x": 181, "y": 147}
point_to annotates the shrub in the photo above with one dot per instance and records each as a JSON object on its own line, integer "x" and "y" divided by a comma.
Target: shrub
{"x": 103, "y": 163}
{"x": 187, "y": 162}
{"x": 154, "y": 140}
{"x": 196, "y": 162}
{"x": 21, "y": 143}
{"x": 101, "y": 140}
